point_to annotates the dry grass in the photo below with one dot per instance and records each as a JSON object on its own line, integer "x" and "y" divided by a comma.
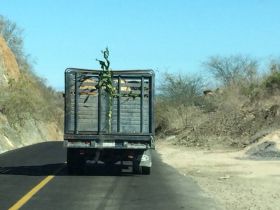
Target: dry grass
{"x": 30, "y": 98}
{"x": 228, "y": 118}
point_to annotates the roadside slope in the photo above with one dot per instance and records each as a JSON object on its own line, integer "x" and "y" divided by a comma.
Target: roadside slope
{"x": 22, "y": 102}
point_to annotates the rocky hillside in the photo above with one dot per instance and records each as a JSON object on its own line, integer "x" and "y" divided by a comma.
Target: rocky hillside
{"x": 9, "y": 68}
{"x": 23, "y": 103}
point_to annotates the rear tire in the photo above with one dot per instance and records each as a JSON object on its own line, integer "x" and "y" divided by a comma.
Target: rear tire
{"x": 146, "y": 170}
{"x": 70, "y": 161}
{"x": 75, "y": 162}
{"x": 137, "y": 169}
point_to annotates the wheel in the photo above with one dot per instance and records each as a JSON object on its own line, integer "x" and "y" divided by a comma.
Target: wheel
{"x": 137, "y": 169}
{"x": 75, "y": 162}
{"x": 146, "y": 170}
{"x": 71, "y": 164}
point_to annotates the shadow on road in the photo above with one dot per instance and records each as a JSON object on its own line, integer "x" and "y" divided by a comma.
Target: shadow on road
{"x": 37, "y": 170}
{"x": 60, "y": 169}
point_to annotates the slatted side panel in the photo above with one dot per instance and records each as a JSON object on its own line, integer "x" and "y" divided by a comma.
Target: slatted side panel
{"x": 69, "y": 92}
{"x": 131, "y": 91}
{"x": 87, "y": 103}
{"x": 130, "y": 106}
{"x": 130, "y": 115}
{"x": 87, "y": 113}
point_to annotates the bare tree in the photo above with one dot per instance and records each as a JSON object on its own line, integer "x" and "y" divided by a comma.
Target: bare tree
{"x": 181, "y": 89}
{"x": 13, "y": 36}
{"x": 274, "y": 65}
{"x": 233, "y": 69}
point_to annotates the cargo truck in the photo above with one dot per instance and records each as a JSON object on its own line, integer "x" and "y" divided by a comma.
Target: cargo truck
{"x": 105, "y": 128}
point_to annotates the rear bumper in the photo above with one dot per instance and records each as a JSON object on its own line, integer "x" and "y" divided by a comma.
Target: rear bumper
{"x": 109, "y": 141}
{"x": 108, "y": 137}
{"x": 106, "y": 145}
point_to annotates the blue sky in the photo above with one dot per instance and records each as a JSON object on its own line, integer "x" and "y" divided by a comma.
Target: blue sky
{"x": 174, "y": 36}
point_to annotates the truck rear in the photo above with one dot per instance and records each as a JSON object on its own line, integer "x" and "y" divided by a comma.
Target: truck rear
{"x": 107, "y": 128}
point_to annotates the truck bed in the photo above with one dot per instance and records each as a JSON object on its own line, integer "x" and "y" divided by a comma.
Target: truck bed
{"x": 86, "y": 107}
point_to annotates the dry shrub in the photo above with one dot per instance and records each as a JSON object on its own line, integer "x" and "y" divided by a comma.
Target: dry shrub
{"x": 232, "y": 116}
{"x": 170, "y": 119}
{"x": 177, "y": 94}
{"x": 31, "y": 99}
{"x": 233, "y": 121}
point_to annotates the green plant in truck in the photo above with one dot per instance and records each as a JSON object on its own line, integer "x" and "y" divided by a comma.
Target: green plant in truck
{"x": 106, "y": 83}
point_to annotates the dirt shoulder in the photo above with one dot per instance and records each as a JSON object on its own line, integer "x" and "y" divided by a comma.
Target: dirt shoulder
{"x": 229, "y": 177}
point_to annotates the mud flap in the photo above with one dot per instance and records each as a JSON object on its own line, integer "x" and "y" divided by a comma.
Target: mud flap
{"x": 146, "y": 159}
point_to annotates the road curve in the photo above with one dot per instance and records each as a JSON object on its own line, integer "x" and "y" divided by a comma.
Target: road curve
{"x": 22, "y": 170}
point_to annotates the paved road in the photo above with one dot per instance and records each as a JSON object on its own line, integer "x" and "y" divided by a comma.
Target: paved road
{"x": 23, "y": 169}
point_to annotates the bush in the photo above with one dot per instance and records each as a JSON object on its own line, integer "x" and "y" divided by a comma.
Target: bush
{"x": 180, "y": 89}
{"x": 176, "y": 94}
{"x": 28, "y": 98}
{"x": 272, "y": 82}
{"x": 13, "y": 37}
{"x": 232, "y": 70}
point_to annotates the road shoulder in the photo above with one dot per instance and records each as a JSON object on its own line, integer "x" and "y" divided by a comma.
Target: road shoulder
{"x": 233, "y": 181}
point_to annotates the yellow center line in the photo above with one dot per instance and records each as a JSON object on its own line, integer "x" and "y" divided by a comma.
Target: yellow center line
{"x": 33, "y": 191}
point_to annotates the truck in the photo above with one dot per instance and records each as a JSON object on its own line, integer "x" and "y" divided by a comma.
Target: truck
{"x": 105, "y": 128}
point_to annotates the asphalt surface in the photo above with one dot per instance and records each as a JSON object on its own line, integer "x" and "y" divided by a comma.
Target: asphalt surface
{"x": 98, "y": 188}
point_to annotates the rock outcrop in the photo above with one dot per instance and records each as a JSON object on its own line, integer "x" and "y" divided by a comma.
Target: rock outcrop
{"x": 32, "y": 130}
